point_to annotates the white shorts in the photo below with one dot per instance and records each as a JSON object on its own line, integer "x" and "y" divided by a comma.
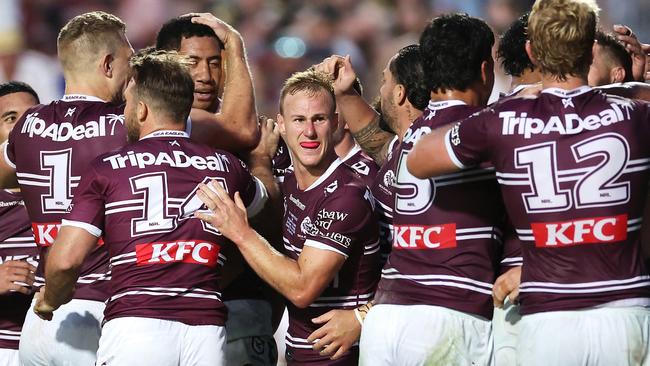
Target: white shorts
{"x": 604, "y": 336}
{"x": 71, "y": 338}
{"x": 155, "y": 342}
{"x": 9, "y": 357}
{"x": 410, "y": 335}
{"x": 505, "y": 332}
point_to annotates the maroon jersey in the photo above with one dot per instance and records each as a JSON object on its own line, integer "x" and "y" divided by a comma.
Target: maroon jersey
{"x": 50, "y": 148}
{"x": 16, "y": 243}
{"x": 141, "y": 198}
{"x": 447, "y": 230}
{"x": 382, "y": 193}
{"x": 335, "y": 214}
{"x": 573, "y": 167}
{"x": 281, "y": 161}
{"x": 362, "y": 164}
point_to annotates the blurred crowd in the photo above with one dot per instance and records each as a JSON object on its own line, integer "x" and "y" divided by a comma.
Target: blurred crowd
{"x": 281, "y": 36}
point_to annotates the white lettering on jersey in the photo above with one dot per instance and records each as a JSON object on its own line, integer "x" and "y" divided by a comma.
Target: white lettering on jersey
{"x": 190, "y": 251}
{"x": 582, "y": 231}
{"x": 568, "y": 124}
{"x": 178, "y": 159}
{"x": 65, "y": 131}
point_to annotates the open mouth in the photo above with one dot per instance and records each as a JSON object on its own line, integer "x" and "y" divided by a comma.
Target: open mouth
{"x": 310, "y": 144}
{"x": 203, "y": 95}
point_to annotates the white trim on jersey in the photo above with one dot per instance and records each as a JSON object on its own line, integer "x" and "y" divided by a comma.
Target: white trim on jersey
{"x": 371, "y": 249}
{"x": 92, "y": 229}
{"x": 18, "y": 242}
{"x": 94, "y": 277}
{"x": 290, "y": 247}
{"x": 585, "y": 287}
{"x": 10, "y": 335}
{"x": 439, "y": 280}
{"x": 564, "y": 93}
{"x": 166, "y": 133}
{"x": 355, "y": 149}
{"x": 296, "y": 342}
{"x": 188, "y": 126}
{"x": 465, "y": 176}
{"x": 5, "y": 146}
{"x": 258, "y": 202}
{"x": 512, "y": 261}
{"x": 341, "y": 301}
{"x": 123, "y": 259}
{"x": 451, "y": 153}
{"x": 325, "y": 175}
{"x": 170, "y": 291}
{"x": 318, "y": 245}
{"x": 436, "y": 106}
{"x": 83, "y": 97}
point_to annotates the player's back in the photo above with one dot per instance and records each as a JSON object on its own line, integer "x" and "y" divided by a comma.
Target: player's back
{"x": 447, "y": 229}
{"x": 362, "y": 165}
{"x": 16, "y": 243}
{"x": 165, "y": 263}
{"x": 51, "y": 147}
{"x": 573, "y": 166}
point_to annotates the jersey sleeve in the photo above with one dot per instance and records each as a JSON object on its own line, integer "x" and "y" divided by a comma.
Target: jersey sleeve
{"x": 251, "y": 189}
{"x": 88, "y": 204}
{"x": 468, "y": 141}
{"x": 339, "y": 222}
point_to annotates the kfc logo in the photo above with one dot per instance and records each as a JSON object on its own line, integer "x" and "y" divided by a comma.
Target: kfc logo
{"x": 424, "y": 237}
{"x": 582, "y": 231}
{"x": 186, "y": 251}
{"x": 45, "y": 232}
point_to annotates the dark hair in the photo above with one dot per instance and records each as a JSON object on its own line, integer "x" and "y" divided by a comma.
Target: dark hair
{"x": 12, "y": 87}
{"x": 407, "y": 70}
{"x": 162, "y": 79}
{"x": 512, "y": 48}
{"x": 616, "y": 53}
{"x": 170, "y": 35}
{"x": 453, "y": 47}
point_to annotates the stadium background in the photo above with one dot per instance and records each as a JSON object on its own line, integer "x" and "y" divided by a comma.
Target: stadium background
{"x": 281, "y": 36}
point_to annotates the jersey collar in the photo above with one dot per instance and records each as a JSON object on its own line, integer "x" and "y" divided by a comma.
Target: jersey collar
{"x": 563, "y": 93}
{"x": 83, "y": 97}
{"x": 325, "y": 175}
{"x": 442, "y": 104}
{"x": 166, "y": 133}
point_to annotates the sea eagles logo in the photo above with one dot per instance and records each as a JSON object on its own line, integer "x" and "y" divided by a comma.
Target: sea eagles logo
{"x": 332, "y": 187}
{"x": 308, "y": 227}
{"x": 389, "y": 178}
{"x": 453, "y": 134}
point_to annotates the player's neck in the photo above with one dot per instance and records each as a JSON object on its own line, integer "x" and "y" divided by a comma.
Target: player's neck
{"x": 527, "y": 78}
{"x": 470, "y": 96}
{"x": 405, "y": 117}
{"x": 87, "y": 89}
{"x": 306, "y": 176}
{"x": 344, "y": 147}
{"x": 570, "y": 83}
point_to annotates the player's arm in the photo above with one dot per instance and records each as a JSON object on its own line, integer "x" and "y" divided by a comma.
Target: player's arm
{"x": 301, "y": 281}
{"x": 430, "y": 156}
{"x": 361, "y": 118}
{"x": 234, "y": 127}
{"x": 7, "y": 169}
{"x": 64, "y": 260}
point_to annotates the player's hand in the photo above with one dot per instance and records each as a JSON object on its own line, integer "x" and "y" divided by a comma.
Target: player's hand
{"x": 228, "y": 216}
{"x": 16, "y": 276}
{"x": 341, "y": 70}
{"x": 507, "y": 285}
{"x": 633, "y": 47}
{"x": 340, "y": 330}
{"x": 44, "y": 310}
{"x": 269, "y": 139}
{"x": 224, "y": 31}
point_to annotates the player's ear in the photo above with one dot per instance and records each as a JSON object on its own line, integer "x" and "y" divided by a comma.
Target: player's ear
{"x": 617, "y": 74}
{"x": 280, "y": 121}
{"x": 107, "y": 65}
{"x": 399, "y": 94}
{"x": 142, "y": 111}
{"x": 529, "y": 52}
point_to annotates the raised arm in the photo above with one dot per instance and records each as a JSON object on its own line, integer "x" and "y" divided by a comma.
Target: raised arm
{"x": 301, "y": 281}
{"x": 634, "y": 48}
{"x": 234, "y": 127}
{"x": 361, "y": 118}
{"x": 430, "y": 157}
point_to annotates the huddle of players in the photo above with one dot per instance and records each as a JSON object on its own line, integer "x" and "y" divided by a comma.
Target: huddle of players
{"x": 184, "y": 206}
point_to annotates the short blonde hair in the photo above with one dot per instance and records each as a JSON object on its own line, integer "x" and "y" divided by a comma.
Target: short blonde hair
{"x": 561, "y": 34}
{"x": 86, "y": 35}
{"x": 311, "y": 82}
